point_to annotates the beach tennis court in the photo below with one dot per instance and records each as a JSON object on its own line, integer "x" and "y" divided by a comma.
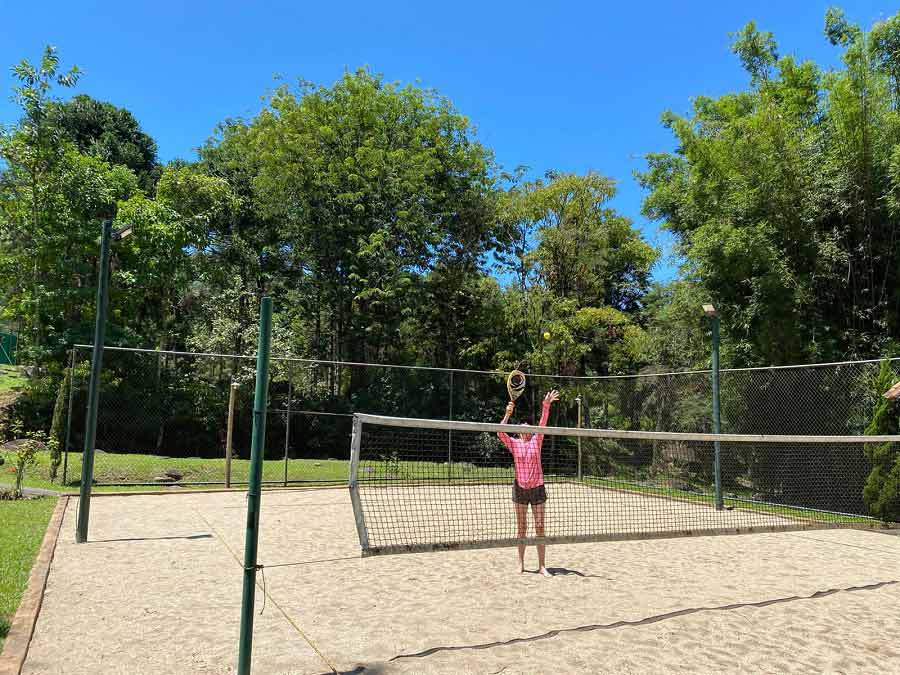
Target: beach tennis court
{"x": 157, "y": 589}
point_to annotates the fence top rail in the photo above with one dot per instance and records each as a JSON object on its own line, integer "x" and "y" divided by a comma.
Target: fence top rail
{"x": 450, "y": 425}
{"x": 325, "y": 362}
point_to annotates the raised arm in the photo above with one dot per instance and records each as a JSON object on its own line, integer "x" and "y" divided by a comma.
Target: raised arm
{"x": 502, "y": 436}
{"x": 551, "y": 396}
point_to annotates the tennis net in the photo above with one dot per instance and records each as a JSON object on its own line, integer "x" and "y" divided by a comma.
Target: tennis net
{"x": 426, "y": 485}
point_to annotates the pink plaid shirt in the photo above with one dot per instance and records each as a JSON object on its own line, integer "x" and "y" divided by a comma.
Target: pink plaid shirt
{"x": 527, "y": 455}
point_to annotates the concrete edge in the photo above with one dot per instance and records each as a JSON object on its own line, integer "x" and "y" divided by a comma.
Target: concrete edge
{"x": 15, "y": 649}
{"x": 189, "y": 491}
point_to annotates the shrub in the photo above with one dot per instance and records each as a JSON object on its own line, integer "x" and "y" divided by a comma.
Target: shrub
{"x": 25, "y": 453}
{"x": 882, "y": 490}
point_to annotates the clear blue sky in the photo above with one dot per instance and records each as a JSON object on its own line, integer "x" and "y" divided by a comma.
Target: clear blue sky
{"x": 568, "y": 86}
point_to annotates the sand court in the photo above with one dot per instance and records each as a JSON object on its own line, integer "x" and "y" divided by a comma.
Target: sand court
{"x": 158, "y": 590}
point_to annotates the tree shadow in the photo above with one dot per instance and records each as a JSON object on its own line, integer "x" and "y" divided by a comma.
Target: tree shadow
{"x": 189, "y": 536}
{"x": 645, "y": 621}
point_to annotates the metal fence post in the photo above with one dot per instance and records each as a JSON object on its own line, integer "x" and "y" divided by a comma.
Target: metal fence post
{"x": 257, "y": 449}
{"x": 450, "y": 435}
{"x": 578, "y": 401}
{"x": 65, "y": 475}
{"x": 228, "y": 433}
{"x": 717, "y": 461}
{"x": 90, "y": 426}
{"x": 287, "y": 420}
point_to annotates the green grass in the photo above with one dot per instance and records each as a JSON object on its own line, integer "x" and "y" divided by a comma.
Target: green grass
{"x": 141, "y": 468}
{"x": 743, "y": 502}
{"x": 11, "y": 377}
{"x": 138, "y": 468}
{"x": 22, "y": 526}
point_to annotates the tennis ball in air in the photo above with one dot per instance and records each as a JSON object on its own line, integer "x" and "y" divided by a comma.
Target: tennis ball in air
{"x": 546, "y": 335}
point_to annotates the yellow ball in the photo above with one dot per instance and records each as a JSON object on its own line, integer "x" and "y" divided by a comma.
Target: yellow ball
{"x": 546, "y": 335}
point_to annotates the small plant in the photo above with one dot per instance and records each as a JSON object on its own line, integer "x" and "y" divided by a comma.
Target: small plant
{"x": 25, "y": 454}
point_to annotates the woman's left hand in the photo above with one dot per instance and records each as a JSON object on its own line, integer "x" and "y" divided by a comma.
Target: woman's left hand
{"x": 551, "y": 396}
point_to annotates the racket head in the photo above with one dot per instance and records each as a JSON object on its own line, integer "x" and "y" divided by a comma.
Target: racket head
{"x": 515, "y": 384}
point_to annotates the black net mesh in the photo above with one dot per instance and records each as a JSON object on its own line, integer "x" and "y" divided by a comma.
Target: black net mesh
{"x": 163, "y": 415}
{"x": 422, "y": 488}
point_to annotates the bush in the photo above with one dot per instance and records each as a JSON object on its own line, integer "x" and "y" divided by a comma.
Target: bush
{"x": 25, "y": 453}
{"x": 33, "y": 408}
{"x": 882, "y": 490}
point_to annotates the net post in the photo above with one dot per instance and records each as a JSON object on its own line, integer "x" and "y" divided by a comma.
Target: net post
{"x": 90, "y": 427}
{"x": 257, "y": 448}
{"x": 228, "y": 433}
{"x": 353, "y": 481}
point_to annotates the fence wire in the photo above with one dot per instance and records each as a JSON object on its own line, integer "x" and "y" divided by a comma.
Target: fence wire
{"x": 163, "y": 415}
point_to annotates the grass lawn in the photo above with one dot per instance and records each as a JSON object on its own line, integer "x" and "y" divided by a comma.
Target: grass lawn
{"x": 140, "y": 468}
{"x": 22, "y": 526}
{"x": 737, "y": 501}
{"x": 11, "y": 377}
{"x": 137, "y": 468}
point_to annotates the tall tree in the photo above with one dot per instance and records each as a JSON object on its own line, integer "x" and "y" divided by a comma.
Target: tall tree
{"x": 52, "y": 199}
{"x": 780, "y": 199}
{"x": 109, "y": 133}
{"x": 375, "y": 184}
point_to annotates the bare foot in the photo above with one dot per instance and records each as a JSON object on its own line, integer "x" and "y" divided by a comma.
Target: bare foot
{"x": 521, "y": 567}
{"x": 545, "y": 572}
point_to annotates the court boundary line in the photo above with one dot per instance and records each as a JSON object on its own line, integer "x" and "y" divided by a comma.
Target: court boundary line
{"x": 395, "y": 549}
{"x": 21, "y": 630}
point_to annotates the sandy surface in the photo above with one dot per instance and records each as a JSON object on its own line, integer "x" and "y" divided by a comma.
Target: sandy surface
{"x": 157, "y": 590}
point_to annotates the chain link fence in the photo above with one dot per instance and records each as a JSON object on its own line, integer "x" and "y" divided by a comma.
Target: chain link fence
{"x": 163, "y": 415}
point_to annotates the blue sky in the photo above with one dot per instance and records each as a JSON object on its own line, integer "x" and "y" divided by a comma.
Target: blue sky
{"x": 567, "y": 86}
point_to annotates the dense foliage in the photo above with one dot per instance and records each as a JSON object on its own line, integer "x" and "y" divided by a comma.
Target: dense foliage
{"x": 882, "y": 491}
{"x": 386, "y": 232}
{"x": 783, "y": 198}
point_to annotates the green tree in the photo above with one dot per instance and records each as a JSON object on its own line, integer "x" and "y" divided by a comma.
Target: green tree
{"x": 581, "y": 280}
{"x": 109, "y": 133}
{"x": 32, "y": 152}
{"x": 374, "y": 183}
{"x": 586, "y": 250}
{"x": 781, "y": 199}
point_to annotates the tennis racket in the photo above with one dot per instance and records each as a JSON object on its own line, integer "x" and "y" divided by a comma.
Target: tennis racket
{"x": 515, "y": 385}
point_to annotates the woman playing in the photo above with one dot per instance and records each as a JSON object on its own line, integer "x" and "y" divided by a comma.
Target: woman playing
{"x": 528, "y": 487}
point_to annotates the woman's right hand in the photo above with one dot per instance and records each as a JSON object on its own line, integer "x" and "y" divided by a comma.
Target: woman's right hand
{"x": 510, "y": 408}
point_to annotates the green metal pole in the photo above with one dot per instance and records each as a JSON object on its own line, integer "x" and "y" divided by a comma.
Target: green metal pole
{"x": 90, "y": 425}
{"x": 717, "y": 421}
{"x": 253, "y": 491}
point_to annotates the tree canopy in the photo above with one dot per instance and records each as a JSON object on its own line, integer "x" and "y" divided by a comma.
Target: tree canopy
{"x": 386, "y": 231}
